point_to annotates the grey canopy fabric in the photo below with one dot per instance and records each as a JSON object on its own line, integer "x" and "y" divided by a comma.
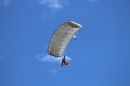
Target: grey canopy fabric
{"x": 61, "y": 38}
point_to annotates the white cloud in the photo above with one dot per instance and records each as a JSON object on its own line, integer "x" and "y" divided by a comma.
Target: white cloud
{"x": 55, "y": 4}
{"x": 4, "y": 2}
{"x": 49, "y": 58}
{"x": 53, "y": 69}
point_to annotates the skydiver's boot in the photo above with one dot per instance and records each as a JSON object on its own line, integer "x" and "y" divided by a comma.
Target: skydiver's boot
{"x": 61, "y": 65}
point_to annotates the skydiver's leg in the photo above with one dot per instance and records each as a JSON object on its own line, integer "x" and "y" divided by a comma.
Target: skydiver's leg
{"x": 61, "y": 64}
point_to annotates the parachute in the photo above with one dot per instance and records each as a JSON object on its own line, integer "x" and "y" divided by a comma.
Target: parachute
{"x": 61, "y": 37}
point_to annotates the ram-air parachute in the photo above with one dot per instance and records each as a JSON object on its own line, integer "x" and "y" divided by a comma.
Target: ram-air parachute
{"x": 61, "y": 37}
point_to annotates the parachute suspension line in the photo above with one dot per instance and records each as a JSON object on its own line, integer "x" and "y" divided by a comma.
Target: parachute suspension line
{"x": 64, "y": 52}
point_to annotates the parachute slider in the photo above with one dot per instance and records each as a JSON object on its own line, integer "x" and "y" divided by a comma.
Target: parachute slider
{"x": 74, "y": 37}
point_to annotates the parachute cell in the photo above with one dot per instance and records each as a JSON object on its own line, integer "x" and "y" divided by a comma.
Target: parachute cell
{"x": 61, "y": 38}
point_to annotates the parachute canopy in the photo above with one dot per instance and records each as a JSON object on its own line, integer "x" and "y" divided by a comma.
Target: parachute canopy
{"x": 61, "y": 37}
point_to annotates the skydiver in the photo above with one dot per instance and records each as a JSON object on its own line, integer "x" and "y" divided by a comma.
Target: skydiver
{"x": 64, "y": 62}
{"x": 74, "y": 37}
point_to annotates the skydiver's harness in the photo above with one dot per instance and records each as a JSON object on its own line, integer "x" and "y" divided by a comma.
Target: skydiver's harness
{"x": 63, "y": 60}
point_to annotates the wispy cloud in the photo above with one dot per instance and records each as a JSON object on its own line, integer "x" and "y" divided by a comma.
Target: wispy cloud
{"x": 49, "y": 62}
{"x": 53, "y": 69}
{"x": 49, "y": 58}
{"x": 54, "y": 72}
{"x": 57, "y": 72}
{"x": 4, "y": 2}
{"x": 53, "y": 5}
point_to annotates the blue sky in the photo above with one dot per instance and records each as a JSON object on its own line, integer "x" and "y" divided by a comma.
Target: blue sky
{"x": 99, "y": 57}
